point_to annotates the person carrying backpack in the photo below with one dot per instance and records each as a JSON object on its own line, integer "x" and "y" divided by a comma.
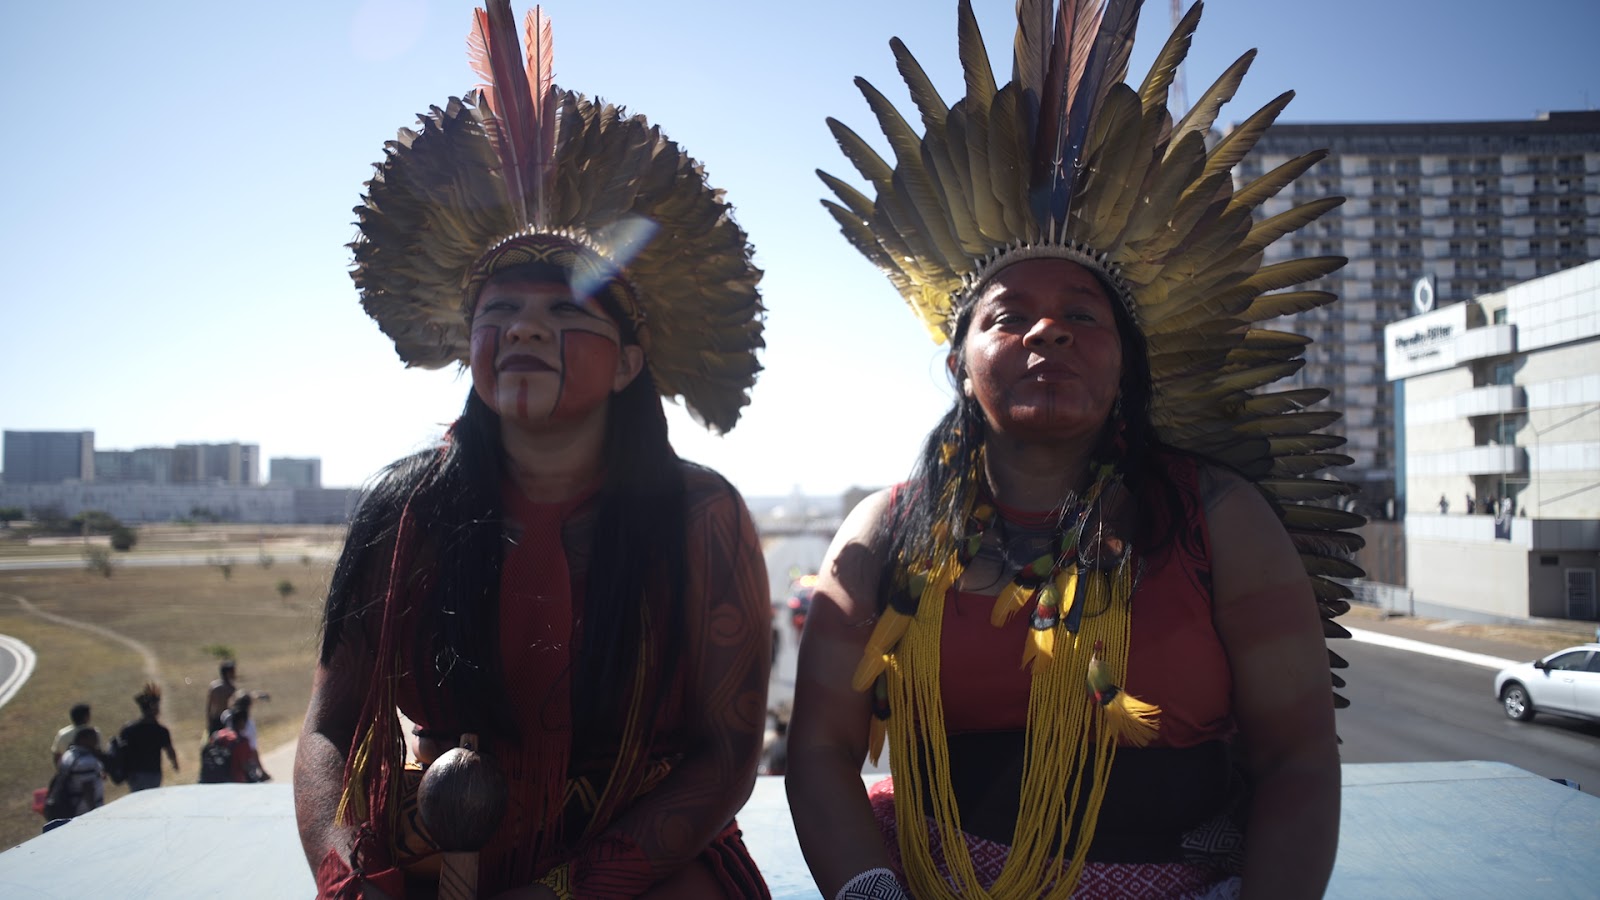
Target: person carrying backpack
{"x": 228, "y": 756}
{"x": 80, "y": 783}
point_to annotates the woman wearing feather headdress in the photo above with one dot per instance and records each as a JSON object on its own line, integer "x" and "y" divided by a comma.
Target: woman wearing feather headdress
{"x": 1087, "y": 626}
{"x": 567, "y": 614}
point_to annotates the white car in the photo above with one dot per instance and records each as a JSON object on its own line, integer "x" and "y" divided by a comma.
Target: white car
{"x": 1565, "y": 683}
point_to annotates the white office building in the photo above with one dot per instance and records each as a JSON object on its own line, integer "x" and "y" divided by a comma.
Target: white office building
{"x": 1479, "y": 206}
{"x": 1499, "y": 448}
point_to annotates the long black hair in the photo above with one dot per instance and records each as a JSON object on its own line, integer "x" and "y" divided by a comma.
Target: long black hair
{"x": 450, "y": 495}
{"x": 945, "y": 473}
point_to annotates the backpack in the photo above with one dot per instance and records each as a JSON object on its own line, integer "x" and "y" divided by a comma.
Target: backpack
{"x": 115, "y": 760}
{"x": 60, "y": 802}
{"x": 216, "y": 761}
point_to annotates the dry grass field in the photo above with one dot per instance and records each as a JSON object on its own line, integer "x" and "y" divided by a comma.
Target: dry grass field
{"x": 183, "y": 616}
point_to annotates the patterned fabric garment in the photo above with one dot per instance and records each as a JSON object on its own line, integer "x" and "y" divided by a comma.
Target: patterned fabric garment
{"x": 542, "y": 586}
{"x": 1099, "y": 881}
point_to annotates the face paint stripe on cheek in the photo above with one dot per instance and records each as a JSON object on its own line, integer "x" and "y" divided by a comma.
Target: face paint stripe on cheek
{"x": 483, "y": 357}
{"x": 588, "y": 364}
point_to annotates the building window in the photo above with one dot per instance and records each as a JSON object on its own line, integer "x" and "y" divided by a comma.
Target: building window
{"x": 1500, "y": 316}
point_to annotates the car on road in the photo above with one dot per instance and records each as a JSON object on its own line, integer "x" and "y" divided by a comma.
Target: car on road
{"x": 799, "y": 601}
{"x": 1565, "y": 683}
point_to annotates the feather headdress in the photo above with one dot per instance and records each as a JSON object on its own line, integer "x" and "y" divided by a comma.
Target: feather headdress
{"x": 521, "y": 169}
{"x": 1068, "y": 161}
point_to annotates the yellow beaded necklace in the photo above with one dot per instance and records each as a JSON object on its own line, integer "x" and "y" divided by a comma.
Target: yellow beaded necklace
{"x": 1076, "y": 713}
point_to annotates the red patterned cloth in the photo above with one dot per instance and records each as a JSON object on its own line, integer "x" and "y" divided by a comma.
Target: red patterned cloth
{"x": 1098, "y": 881}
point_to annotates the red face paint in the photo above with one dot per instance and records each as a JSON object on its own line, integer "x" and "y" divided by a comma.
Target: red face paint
{"x": 538, "y": 355}
{"x": 588, "y": 369}
{"x": 484, "y": 353}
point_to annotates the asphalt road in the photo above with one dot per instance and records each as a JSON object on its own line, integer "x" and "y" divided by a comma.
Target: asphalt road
{"x": 16, "y": 664}
{"x": 1408, "y": 707}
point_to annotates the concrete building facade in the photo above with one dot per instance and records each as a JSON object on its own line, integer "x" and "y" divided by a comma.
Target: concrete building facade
{"x": 1499, "y": 400}
{"x": 48, "y": 457}
{"x": 232, "y": 463}
{"x": 139, "y": 503}
{"x": 1471, "y": 207}
{"x": 146, "y": 465}
{"x": 288, "y": 471}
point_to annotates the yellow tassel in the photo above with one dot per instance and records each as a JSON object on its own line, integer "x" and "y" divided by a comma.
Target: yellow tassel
{"x": 1040, "y": 649}
{"x": 352, "y": 807}
{"x": 875, "y": 737}
{"x": 1067, "y": 582}
{"x": 886, "y": 634}
{"x": 1130, "y": 720}
{"x": 1012, "y": 599}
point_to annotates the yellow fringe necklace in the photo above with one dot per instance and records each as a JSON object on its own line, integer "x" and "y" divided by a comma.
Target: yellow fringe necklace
{"x": 1076, "y": 713}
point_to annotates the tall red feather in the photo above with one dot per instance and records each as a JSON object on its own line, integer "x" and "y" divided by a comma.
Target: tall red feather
{"x": 511, "y": 100}
{"x": 539, "y": 40}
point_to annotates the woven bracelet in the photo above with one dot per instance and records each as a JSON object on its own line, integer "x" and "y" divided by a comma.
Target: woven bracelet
{"x": 559, "y": 881}
{"x": 873, "y": 884}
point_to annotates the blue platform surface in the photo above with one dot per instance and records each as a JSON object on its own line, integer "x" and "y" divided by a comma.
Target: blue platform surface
{"x": 1424, "y": 830}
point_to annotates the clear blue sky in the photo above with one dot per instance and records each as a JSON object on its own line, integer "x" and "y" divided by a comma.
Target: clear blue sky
{"x": 179, "y": 178}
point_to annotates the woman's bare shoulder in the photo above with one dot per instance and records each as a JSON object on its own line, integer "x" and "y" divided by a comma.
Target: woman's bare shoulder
{"x": 708, "y": 496}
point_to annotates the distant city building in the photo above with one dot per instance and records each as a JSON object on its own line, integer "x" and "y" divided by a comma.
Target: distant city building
{"x": 1472, "y": 206}
{"x": 1499, "y": 402}
{"x": 48, "y": 457}
{"x": 288, "y": 471}
{"x": 146, "y": 465}
{"x": 138, "y": 503}
{"x": 233, "y": 463}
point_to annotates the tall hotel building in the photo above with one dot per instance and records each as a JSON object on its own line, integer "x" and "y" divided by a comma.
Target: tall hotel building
{"x": 1445, "y": 210}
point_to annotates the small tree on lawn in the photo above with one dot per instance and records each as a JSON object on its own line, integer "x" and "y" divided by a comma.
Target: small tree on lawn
{"x": 98, "y": 560}
{"x": 123, "y": 538}
{"x": 285, "y": 588}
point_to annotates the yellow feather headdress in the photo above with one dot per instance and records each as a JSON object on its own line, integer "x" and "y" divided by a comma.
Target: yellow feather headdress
{"x": 1067, "y": 161}
{"x": 520, "y": 166}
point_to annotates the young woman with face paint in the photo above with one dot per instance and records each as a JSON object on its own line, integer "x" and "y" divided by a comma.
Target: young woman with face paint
{"x": 550, "y": 611}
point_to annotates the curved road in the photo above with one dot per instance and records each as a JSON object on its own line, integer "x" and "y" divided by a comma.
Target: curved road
{"x": 16, "y": 664}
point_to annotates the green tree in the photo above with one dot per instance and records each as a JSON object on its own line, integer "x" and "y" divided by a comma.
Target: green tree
{"x": 94, "y": 521}
{"x": 51, "y": 519}
{"x": 285, "y": 588}
{"x": 123, "y": 538}
{"x": 9, "y": 514}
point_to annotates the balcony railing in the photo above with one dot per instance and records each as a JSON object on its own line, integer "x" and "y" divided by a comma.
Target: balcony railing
{"x": 1494, "y": 399}
{"x": 1490, "y": 340}
{"x": 1495, "y": 459}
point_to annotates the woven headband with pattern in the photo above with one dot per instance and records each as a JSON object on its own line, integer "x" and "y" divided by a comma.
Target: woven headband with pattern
{"x": 519, "y": 159}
